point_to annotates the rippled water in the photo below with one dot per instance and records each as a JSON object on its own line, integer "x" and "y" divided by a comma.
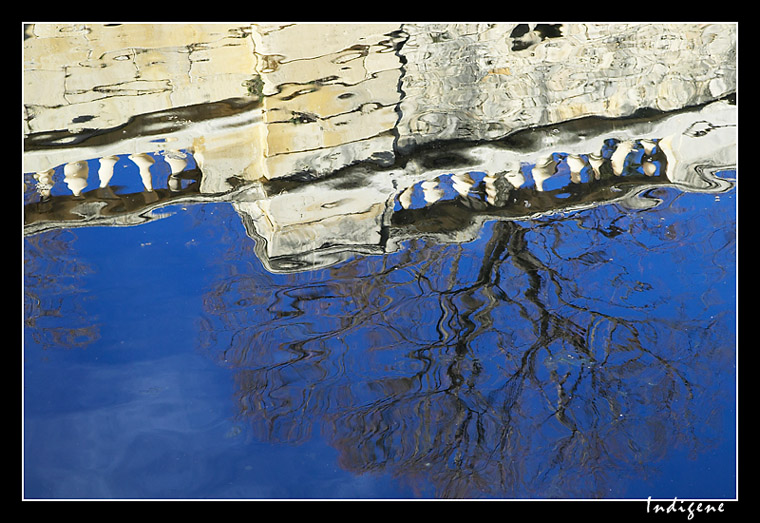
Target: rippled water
{"x": 418, "y": 309}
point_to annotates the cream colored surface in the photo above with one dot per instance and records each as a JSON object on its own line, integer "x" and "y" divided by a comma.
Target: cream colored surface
{"x": 338, "y": 94}
{"x": 114, "y": 72}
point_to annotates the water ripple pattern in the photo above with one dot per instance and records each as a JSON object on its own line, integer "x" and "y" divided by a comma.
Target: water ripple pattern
{"x": 541, "y": 357}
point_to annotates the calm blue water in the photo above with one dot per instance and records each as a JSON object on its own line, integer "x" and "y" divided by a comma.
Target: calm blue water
{"x": 578, "y": 356}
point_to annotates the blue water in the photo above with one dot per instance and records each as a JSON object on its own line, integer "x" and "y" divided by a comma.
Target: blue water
{"x": 581, "y": 355}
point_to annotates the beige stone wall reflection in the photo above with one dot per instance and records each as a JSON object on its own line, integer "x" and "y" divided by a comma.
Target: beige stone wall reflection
{"x": 329, "y": 99}
{"x": 333, "y": 95}
{"x": 79, "y": 76}
{"x": 329, "y": 92}
{"x": 330, "y": 95}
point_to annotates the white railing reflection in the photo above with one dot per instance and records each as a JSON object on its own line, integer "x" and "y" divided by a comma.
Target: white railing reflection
{"x": 144, "y": 162}
{"x": 105, "y": 172}
{"x": 76, "y": 175}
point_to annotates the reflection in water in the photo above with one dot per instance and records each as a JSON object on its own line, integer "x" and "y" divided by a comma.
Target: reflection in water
{"x": 464, "y": 254}
{"x": 366, "y": 207}
{"x": 449, "y": 193}
{"x": 535, "y": 361}
{"x": 97, "y": 196}
{"x": 52, "y": 290}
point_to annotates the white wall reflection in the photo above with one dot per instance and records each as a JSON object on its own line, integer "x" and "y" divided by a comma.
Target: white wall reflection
{"x": 369, "y": 114}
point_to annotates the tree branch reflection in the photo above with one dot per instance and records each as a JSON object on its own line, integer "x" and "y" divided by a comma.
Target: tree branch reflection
{"x": 491, "y": 368}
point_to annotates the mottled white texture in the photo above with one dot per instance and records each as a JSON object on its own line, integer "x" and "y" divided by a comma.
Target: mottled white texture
{"x": 466, "y": 80}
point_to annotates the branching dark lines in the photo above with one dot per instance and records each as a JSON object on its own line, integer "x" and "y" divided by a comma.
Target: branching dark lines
{"x": 489, "y": 362}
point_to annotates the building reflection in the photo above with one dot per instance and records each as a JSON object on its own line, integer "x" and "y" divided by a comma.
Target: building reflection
{"x": 368, "y": 208}
{"x": 277, "y": 106}
{"x": 86, "y": 193}
{"x": 449, "y": 194}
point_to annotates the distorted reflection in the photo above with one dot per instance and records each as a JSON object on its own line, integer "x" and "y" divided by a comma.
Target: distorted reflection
{"x": 534, "y": 361}
{"x": 116, "y": 189}
{"x": 305, "y": 225}
{"x": 464, "y": 254}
